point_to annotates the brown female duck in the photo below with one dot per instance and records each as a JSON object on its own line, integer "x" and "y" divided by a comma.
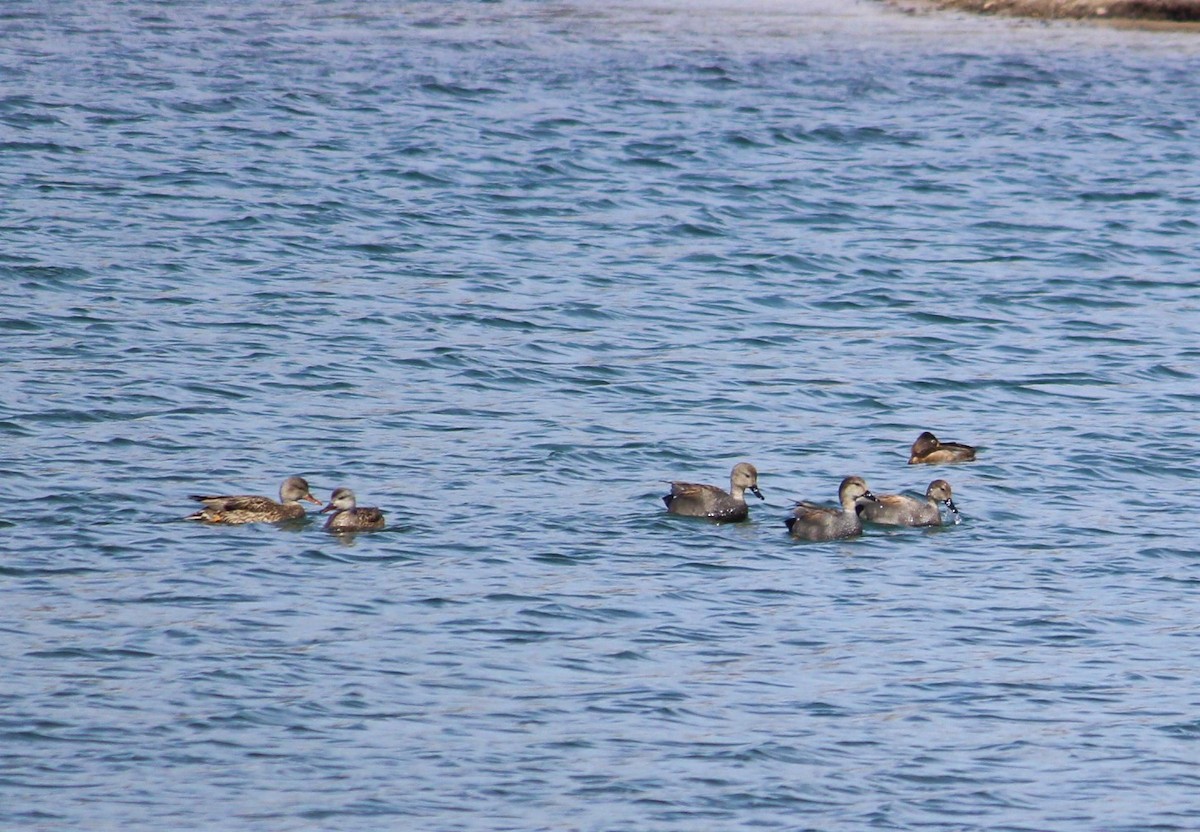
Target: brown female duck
{"x": 235, "y": 510}
{"x": 348, "y": 517}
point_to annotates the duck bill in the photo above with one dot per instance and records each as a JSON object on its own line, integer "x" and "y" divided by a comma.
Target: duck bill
{"x": 754, "y": 490}
{"x": 869, "y": 496}
{"x": 311, "y": 499}
{"x": 950, "y": 505}
{"x": 329, "y": 507}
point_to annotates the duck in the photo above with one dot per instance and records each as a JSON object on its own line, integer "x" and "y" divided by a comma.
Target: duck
{"x": 348, "y": 517}
{"x": 696, "y": 500}
{"x": 816, "y": 523}
{"x": 234, "y": 510}
{"x": 903, "y": 510}
{"x": 927, "y": 449}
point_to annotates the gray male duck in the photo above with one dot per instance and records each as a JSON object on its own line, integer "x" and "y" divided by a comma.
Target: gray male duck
{"x": 903, "y": 510}
{"x": 234, "y": 510}
{"x": 813, "y": 522}
{"x": 699, "y": 500}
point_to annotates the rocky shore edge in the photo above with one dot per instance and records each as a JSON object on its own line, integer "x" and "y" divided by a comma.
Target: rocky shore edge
{"x": 1182, "y": 12}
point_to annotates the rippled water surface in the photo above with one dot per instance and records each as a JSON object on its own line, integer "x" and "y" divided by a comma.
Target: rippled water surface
{"x": 503, "y": 268}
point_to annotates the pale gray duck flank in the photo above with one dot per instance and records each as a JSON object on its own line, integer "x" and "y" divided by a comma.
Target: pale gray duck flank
{"x": 930, "y": 450}
{"x": 814, "y": 522}
{"x": 348, "y": 517}
{"x": 236, "y": 509}
{"x": 699, "y": 500}
{"x": 903, "y": 510}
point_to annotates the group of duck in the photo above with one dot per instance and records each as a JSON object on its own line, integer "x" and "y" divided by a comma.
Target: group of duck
{"x": 237, "y": 509}
{"x": 810, "y": 521}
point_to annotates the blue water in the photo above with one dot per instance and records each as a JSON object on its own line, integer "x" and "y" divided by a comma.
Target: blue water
{"x": 503, "y": 268}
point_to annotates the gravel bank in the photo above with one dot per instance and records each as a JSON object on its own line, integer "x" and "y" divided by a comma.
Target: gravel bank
{"x": 1165, "y": 11}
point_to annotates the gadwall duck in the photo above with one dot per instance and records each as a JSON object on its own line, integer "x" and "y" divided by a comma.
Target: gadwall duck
{"x": 902, "y": 510}
{"x": 347, "y": 517}
{"x": 694, "y": 500}
{"x": 236, "y": 509}
{"x": 814, "y": 522}
{"x": 928, "y": 449}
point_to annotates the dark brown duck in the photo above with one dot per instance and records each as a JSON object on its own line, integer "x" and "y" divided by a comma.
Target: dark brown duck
{"x": 928, "y": 449}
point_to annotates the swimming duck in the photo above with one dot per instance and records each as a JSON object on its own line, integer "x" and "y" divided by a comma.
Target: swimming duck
{"x": 814, "y": 522}
{"x": 695, "y": 500}
{"x": 902, "y": 510}
{"x": 237, "y": 509}
{"x": 928, "y": 449}
{"x": 347, "y": 517}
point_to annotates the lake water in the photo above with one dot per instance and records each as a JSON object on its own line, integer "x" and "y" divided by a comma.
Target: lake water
{"x": 505, "y": 267}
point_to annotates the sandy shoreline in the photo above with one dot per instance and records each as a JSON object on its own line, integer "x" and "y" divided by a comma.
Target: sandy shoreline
{"x": 1171, "y": 13}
